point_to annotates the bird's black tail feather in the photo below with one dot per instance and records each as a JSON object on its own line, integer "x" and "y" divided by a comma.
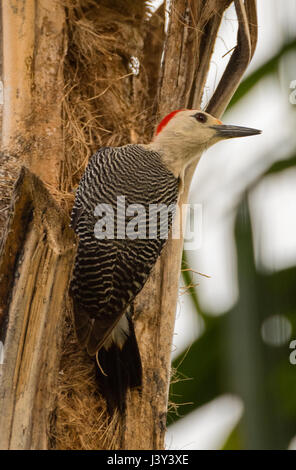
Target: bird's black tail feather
{"x": 119, "y": 369}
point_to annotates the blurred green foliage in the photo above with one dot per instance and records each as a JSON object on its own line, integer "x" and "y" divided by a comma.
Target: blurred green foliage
{"x": 231, "y": 356}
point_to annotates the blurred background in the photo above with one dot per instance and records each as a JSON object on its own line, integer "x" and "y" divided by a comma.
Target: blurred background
{"x": 234, "y": 384}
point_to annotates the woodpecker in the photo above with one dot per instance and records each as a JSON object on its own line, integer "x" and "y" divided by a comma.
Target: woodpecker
{"x": 110, "y": 267}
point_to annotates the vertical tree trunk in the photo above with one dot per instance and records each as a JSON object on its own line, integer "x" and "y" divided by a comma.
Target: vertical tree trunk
{"x": 35, "y": 268}
{"x": 34, "y": 48}
{"x": 37, "y": 248}
{"x": 185, "y": 45}
{"x": 39, "y": 405}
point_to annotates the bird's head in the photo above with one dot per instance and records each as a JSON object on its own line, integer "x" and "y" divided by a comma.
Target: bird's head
{"x": 183, "y": 135}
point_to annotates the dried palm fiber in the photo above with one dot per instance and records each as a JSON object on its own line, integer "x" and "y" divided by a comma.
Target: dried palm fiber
{"x": 9, "y": 170}
{"x": 104, "y": 100}
{"x": 104, "y": 104}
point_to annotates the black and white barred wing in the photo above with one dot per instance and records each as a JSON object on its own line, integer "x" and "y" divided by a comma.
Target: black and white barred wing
{"x": 110, "y": 272}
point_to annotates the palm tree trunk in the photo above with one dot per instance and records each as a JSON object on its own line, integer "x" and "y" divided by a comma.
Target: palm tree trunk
{"x": 48, "y": 397}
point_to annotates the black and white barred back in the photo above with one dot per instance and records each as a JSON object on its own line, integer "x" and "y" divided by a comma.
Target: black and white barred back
{"x": 109, "y": 273}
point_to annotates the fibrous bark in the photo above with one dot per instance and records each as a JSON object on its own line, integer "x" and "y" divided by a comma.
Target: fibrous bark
{"x": 36, "y": 262}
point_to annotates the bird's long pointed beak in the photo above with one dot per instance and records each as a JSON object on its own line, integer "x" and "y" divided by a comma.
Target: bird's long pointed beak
{"x": 228, "y": 132}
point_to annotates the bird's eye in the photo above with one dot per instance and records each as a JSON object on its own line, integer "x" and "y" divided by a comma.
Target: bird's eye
{"x": 200, "y": 117}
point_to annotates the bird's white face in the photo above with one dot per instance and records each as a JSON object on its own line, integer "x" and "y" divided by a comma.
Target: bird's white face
{"x": 183, "y": 135}
{"x": 192, "y": 127}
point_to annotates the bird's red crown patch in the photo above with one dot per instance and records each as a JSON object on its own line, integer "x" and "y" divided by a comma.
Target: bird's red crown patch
{"x": 166, "y": 119}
